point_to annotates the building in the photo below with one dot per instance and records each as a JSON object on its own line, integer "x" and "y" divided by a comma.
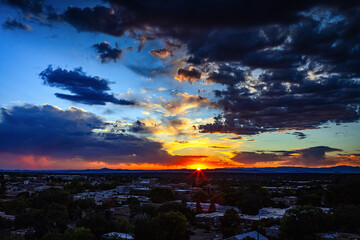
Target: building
{"x": 204, "y": 206}
{"x": 116, "y": 235}
{"x": 287, "y": 200}
{"x": 183, "y": 194}
{"x": 338, "y": 236}
{"x": 264, "y": 213}
{"x": 7, "y": 217}
{"x": 211, "y": 219}
{"x": 253, "y": 234}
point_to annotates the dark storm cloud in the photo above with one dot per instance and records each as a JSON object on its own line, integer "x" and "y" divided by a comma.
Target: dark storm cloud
{"x": 191, "y": 75}
{"x": 86, "y": 89}
{"x": 107, "y": 53}
{"x": 63, "y": 134}
{"x": 15, "y": 24}
{"x": 98, "y": 19}
{"x": 226, "y": 45}
{"x": 289, "y": 75}
{"x": 260, "y": 34}
{"x": 312, "y": 156}
{"x": 306, "y": 55}
{"x": 227, "y": 75}
{"x": 276, "y": 106}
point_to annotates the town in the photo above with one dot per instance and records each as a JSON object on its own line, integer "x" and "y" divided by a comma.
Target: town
{"x": 199, "y": 205}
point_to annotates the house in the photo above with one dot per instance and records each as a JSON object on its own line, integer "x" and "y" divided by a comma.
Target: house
{"x": 253, "y": 234}
{"x": 337, "y": 236}
{"x": 183, "y": 194}
{"x": 116, "y": 235}
{"x": 264, "y": 213}
{"x": 211, "y": 219}
{"x": 204, "y": 206}
{"x": 287, "y": 200}
{"x": 225, "y": 208}
{"x": 7, "y": 217}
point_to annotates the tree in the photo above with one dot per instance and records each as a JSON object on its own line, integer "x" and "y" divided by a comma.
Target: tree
{"x": 161, "y": 194}
{"x": 78, "y": 234}
{"x": 347, "y": 218}
{"x": 218, "y": 198}
{"x": 180, "y": 207}
{"x": 200, "y": 196}
{"x": 12, "y": 237}
{"x": 134, "y": 203}
{"x": 212, "y": 207}
{"x": 173, "y": 225}
{"x": 53, "y": 235}
{"x": 141, "y": 224}
{"x": 99, "y": 225}
{"x": 123, "y": 225}
{"x": 303, "y": 222}
{"x": 230, "y": 223}
{"x": 198, "y": 208}
{"x": 5, "y": 223}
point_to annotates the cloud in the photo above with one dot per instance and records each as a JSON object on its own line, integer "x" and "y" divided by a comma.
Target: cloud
{"x": 169, "y": 126}
{"x": 161, "y": 53}
{"x": 185, "y": 102}
{"x": 140, "y": 127}
{"x": 152, "y": 70}
{"x": 15, "y": 24}
{"x": 218, "y": 147}
{"x": 282, "y": 66}
{"x": 149, "y": 90}
{"x": 299, "y": 135}
{"x": 227, "y": 74}
{"x": 98, "y": 19}
{"x": 250, "y": 158}
{"x": 235, "y": 138}
{"x": 191, "y": 75}
{"x": 86, "y": 89}
{"x": 310, "y": 157}
{"x": 107, "y": 53}
{"x": 73, "y": 133}
{"x": 306, "y": 54}
{"x": 280, "y": 107}
{"x": 35, "y": 7}
{"x": 46, "y": 136}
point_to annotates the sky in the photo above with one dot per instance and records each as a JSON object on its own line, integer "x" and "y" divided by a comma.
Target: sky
{"x": 133, "y": 84}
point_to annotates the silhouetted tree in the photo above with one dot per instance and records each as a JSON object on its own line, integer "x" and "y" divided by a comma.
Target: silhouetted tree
{"x": 230, "y": 223}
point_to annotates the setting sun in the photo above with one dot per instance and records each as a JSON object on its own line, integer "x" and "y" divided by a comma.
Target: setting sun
{"x": 198, "y": 169}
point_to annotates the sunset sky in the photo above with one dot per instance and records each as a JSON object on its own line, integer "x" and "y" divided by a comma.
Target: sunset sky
{"x": 158, "y": 84}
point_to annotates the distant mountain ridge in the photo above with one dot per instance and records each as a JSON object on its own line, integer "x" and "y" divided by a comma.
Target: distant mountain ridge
{"x": 327, "y": 170}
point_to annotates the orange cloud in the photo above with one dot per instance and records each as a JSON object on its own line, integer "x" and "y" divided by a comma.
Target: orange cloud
{"x": 161, "y": 53}
{"x": 185, "y": 103}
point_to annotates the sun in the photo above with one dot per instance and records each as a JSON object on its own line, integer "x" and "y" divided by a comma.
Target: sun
{"x": 198, "y": 169}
